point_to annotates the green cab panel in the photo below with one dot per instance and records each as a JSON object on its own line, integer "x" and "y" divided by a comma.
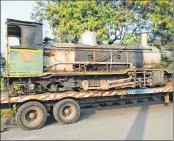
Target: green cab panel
{"x": 26, "y": 61}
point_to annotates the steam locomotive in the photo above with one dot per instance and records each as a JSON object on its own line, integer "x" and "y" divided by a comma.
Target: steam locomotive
{"x": 37, "y": 67}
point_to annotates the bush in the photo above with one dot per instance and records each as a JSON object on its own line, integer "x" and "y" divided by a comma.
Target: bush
{"x": 2, "y": 84}
{"x": 9, "y": 112}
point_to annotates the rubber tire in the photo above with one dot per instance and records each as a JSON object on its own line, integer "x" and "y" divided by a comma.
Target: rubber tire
{"x": 61, "y": 103}
{"x": 27, "y": 105}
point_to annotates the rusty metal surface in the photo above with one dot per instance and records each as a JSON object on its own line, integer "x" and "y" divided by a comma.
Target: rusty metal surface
{"x": 58, "y": 96}
{"x": 152, "y": 58}
{"x": 30, "y": 33}
{"x": 166, "y": 98}
{"x": 59, "y": 60}
{"x": 138, "y": 56}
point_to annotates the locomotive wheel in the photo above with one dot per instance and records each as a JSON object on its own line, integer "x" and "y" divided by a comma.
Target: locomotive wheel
{"x": 66, "y": 111}
{"x": 31, "y": 116}
{"x": 104, "y": 85}
{"x": 85, "y": 85}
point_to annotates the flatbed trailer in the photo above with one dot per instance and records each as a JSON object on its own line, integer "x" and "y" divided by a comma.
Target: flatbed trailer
{"x": 65, "y": 106}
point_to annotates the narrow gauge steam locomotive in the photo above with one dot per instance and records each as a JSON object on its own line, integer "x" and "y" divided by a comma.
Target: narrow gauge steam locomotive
{"x": 36, "y": 67}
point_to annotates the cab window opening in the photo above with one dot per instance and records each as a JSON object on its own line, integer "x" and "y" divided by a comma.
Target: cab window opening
{"x": 14, "y": 35}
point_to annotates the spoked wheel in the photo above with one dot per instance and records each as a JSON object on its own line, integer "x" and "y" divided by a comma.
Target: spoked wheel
{"x": 31, "y": 116}
{"x": 66, "y": 111}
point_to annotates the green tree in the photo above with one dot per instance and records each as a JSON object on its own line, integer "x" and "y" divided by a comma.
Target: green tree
{"x": 2, "y": 63}
{"x": 69, "y": 19}
{"x": 158, "y": 15}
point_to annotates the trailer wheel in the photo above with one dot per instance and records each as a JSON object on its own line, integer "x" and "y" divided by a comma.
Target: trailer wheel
{"x": 31, "y": 116}
{"x": 66, "y": 111}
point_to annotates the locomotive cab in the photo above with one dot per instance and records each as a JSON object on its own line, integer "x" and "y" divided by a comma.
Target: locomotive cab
{"x": 28, "y": 33}
{"x": 25, "y": 58}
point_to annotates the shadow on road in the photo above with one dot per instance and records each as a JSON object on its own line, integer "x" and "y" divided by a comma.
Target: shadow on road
{"x": 87, "y": 113}
{"x": 129, "y": 105}
{"x": 4, "y": 130}
{"x": 50, "y": 121}
{"x": 137, "y": 130}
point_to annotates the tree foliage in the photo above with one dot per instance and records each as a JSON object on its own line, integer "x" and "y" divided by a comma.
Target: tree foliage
{"x": 160, "y": 14}
{"x": 69, "y": 19}
{"x": 112, "y": 20}
{"x": 2, "y": 63}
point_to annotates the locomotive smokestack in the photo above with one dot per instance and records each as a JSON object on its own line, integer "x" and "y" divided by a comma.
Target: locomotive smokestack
{"x": 144, "y": 38}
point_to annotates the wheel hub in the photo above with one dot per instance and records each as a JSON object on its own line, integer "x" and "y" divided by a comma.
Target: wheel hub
{"x": 32, "y": 115}
{"x": 67, "y": 111}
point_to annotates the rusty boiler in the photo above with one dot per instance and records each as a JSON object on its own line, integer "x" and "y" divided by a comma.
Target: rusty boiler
{"x": 69, "y": 57}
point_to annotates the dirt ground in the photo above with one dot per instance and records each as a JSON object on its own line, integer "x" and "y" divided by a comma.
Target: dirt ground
{"x": 144, "y": 121}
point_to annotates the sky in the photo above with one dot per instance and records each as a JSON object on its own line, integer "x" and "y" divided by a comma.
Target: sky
{"x": 19, "y": 10}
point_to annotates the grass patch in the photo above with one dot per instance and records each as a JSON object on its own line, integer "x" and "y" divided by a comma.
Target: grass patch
{"x": 2, "y": 88}
{"x": 6, "y": 113}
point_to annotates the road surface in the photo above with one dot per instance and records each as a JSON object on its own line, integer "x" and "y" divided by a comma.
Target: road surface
{"x": 145, "y": 121}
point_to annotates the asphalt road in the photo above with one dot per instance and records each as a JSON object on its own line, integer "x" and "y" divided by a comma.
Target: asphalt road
{"x": 145, "y": 121}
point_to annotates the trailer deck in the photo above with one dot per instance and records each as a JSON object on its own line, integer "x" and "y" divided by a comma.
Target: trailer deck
{"x": 31, "y": 110}
{"x": 85, "y": 94}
